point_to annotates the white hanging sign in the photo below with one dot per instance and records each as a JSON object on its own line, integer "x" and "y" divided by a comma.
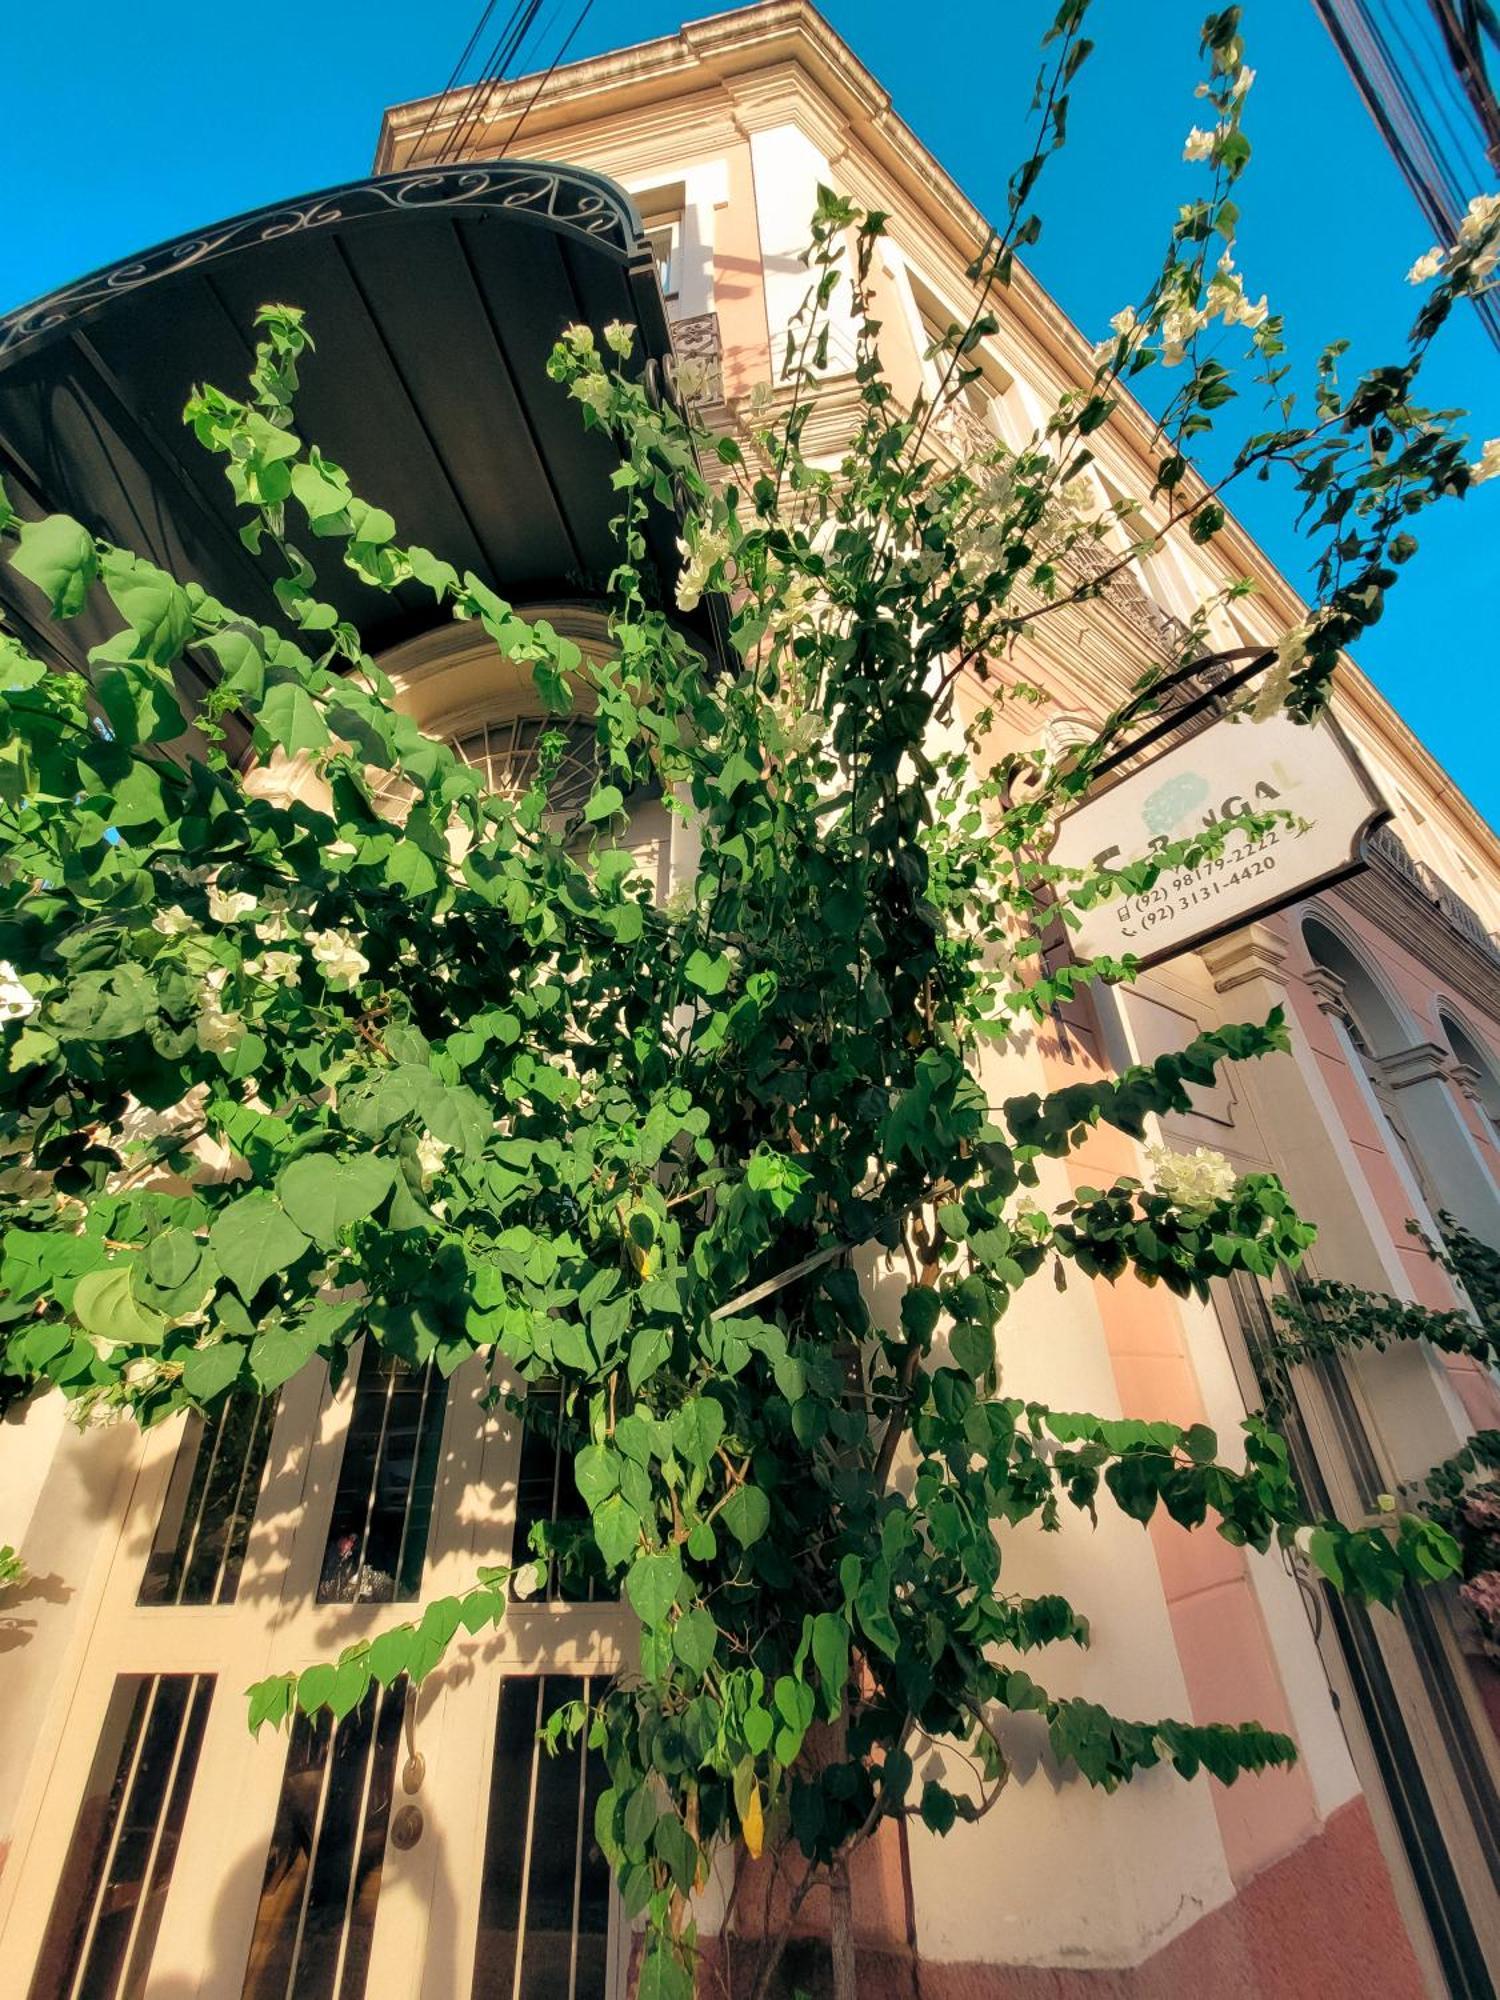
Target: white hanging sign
{"x": 1228, "y": 768}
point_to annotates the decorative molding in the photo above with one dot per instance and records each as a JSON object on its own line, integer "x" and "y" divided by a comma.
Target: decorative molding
{"x": 1328, "y": 991}
{"x": 1255, "y": 952}
{"x": 1469, "y": 1082}
{"x": 1413, "y": 907}
{"x": 1423, "y": 1062}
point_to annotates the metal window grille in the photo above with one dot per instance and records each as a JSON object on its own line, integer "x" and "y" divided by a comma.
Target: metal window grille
{"x": 382, "y": 1507}
{"x": 108, "y": 1907}
{"x": 508, "y": 756}
{"x": 544, "y": 1923}
{"x": 316, "y": 1919}
{"x": 201, "y": 1538}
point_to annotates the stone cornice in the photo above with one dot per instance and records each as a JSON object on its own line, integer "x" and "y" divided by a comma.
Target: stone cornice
{"x": 1423, "y": 1062}
{"x": 1256, "y": 952}
{"x": 1328, "y": 992}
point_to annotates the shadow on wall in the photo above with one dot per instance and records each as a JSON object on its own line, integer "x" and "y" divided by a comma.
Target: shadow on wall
{"x": 49, "y": 1589}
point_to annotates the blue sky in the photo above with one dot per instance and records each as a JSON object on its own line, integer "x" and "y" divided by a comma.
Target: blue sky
{"x": 123, "y": 129}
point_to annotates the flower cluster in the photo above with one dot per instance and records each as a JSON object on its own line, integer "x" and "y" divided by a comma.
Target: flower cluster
{"x": 706, "y": 552}
{"x": 1477, "y": 250}
{"x": 338, "y": 957}
{"x": 1200, "y": 1179}
{"x": 219, "y": 1029}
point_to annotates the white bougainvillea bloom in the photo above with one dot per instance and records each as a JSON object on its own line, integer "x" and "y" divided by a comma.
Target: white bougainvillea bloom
{"x": 1482, "y": 213}
{"x": 217, "y": 1029}
{"x": 276, "y": 968}
{"x": 698, "y": 563}
{"x": 275, "y": 929}
{"x": 1200, "y": 1179}
{"x": 620, "y": 336}
{"x": 338, "y": 957}
{"x": 1487, "y": 465}
{"x": 431, "y": 1152}
{"x": 592, "y": 391}
{"x": 528, "y": 1579}
{"x": 1178, "y": 326}
{"x": 692, "y": 378}
{"x": 1426, "y": 267}
{"x": 1242, "y": 83}
{"x": 579, "y": 338}
{"x": 16, "y": 999}
{"x": 1200, "y": 144}
{"x": 172, "y": 921}
{"x": 227, "y": 906}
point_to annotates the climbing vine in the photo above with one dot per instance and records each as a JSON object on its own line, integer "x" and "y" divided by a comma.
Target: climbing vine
{"x": 287, "y": 1071}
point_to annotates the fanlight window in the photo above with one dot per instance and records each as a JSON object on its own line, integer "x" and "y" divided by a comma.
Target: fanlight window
{"x": 508, "y": 757}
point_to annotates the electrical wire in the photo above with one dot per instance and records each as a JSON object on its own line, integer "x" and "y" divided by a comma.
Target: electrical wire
{"x": 453, "y": 78}
{"x": 502, "y": 55}
{"x": 1432, "y": 101}
{"x": 568, "y": 39}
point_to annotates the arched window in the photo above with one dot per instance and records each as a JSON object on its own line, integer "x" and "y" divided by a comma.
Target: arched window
{"x": 459, "y": 688}
{"x": 1376, "y": 1029}
{"x": 1484, "y": 1081}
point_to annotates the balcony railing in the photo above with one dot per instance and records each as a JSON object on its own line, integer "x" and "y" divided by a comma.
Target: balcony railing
{"x": 696, "y": 342}
{"x": 1389, "y": 848}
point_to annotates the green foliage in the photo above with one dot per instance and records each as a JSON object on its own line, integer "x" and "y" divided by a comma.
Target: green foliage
{"x": 484, "y": 1099}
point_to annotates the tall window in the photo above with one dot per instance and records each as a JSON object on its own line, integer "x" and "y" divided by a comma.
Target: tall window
{"x": 200, "y": 1542}
{"x": 545, "y": 1914}
{"x": 108, "y": 1906}
{"x": 377, "y": 1536}
{"x": 316, "y": 1919}
{"x": 547, "y": 1497}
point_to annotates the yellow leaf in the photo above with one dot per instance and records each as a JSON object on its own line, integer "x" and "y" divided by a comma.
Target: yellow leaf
{"x": 753, "y": 1825}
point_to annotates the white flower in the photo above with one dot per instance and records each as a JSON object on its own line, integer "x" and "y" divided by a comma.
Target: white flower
{"x": 16, "y": 1000}
{"x": 579, "y": 338}
{"x": 693, "y": 378}
{"x": 1242, "y": 83}
{"x": 1484, "y": 264}
{"x": 1486, "y": 466}
{"x": 1124, "y": 321}
{"x": 593, "y": 392}
{"x": 102, "y": 1346}
{"x": 1482, "y": 213}
{"x": 276, "y": 968}
{"x": 228, "y": 906}
{"x": 141, "y": 1373}
{"x": 276, "y": 928}
{"x": 1426, "y": 267}
{"x": 699, "y": 560}
{"x": 1200, "y": 1179}
{"x": 620, "y": 336}
{"x": 1178, "y": 326}
{"x": 431, "y": 1152}
{"x": 172, "y": 921}
{"x": 1200, "y": 144}
{"x": 217, "y": 1031}
{"x": 338, "y": 958}
{"x": 528, "y": 1579}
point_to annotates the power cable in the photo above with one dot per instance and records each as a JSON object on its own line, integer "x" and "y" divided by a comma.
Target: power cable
{"x": 515, "y": 130}
{"x": 453, "y": 77}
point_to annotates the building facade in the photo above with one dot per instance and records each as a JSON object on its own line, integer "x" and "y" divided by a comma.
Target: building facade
{"x": 423, "y": 1848}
